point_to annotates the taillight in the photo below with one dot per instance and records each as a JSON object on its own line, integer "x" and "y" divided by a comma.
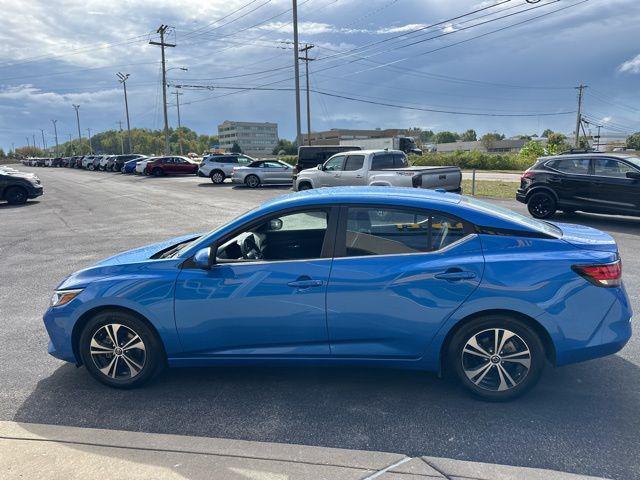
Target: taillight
{"x": 603, "y": 275}
{"x": 527, "y": 174}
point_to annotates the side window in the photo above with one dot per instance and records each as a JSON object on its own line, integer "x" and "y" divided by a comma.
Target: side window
{"x": 354, "y": 162}
{"x": 571, "y": 165}
{"x": 272, "y": 165}
{"x": 375, "y": 231}
{"x": 244, "y": 160}
{"x": 607, "y": 167}
{"x": 295, "y": 236}
{"x": 382, "y": 161}
{"x": 335, "y": 164}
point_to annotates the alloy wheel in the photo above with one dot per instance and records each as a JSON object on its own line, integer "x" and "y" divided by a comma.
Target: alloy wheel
{"x": 118, "y": 351}
{"x": 253, "y": 181}
{"x": 541, "y": 206}
{"x": 496, "y": 359}
{"x": 217, "y": 177}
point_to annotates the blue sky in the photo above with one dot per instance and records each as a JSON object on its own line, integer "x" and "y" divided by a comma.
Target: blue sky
{"x": 54, "y": 54}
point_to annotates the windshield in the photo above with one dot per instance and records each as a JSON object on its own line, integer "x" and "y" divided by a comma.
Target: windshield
{"x": 510, "y": 215}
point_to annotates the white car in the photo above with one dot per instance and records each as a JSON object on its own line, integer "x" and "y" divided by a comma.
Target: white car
{"x": 103, "y": 162}
{"x": 141, "y": 165}
{"x": 220, "y": 166}
{"x": 87, "y": 161}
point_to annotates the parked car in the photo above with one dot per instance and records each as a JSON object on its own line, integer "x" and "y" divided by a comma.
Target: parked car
{"x": 397, "y": 277}
{"x": 310, "y": 156}
{"x": 120, "y": 160}
{"x": 76, "y": 162}
{"x": 102, "y": 165}
{"x": 262, "y": 172}
{"x": 590, "y": 182}
{"x": 377, "y": 168}
{"x": 65, "y": 162}
{"x": 141, "y": 165}
{"x": 87, "y": 161}
{"x": 130, "y": 166}
{"x": 162, "y": 166}
{"x": 220, "y": 166}
{"x": 18, "y": 187}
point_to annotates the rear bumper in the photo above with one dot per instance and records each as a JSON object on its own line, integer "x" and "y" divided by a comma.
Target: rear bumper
{"x": 521, "y": 196}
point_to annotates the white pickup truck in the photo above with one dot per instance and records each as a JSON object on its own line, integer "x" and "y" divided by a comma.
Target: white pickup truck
{"x": 377, "y": 168}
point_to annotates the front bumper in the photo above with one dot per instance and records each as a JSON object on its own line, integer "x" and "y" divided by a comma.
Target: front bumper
{"x": 60, "y": 329}
{"x": 36, "y": 191}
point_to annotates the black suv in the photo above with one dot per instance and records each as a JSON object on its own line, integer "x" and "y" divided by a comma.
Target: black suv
{"x": 586, "y": 181}
{"x": 17, "y": 187}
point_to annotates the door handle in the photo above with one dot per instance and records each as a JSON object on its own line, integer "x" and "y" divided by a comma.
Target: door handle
{"x": 358, "y": 176}
{"x": 455, "y": 275}
{"x": 305, "y": 282}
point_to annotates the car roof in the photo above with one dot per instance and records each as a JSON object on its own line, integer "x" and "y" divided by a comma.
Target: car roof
{"x": 621, "y": 155}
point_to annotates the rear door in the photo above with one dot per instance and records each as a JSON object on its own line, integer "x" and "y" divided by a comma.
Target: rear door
{"x": 397, "y": 275}
{"x": 570, "y": 179}
{"x": 611, "y": 187}
{"x": 353, "y": 172}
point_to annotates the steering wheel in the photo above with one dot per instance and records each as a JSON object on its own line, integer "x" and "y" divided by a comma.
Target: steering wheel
{"x": 250, "y": 249}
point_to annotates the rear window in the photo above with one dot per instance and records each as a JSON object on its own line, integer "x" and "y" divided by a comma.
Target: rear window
{"x": 382, "y": 161}
{"x": 509, "y": 215}
{"x": 570, "y": 165}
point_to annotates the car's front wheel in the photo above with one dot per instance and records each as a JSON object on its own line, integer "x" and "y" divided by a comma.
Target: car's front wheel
{"x": 217, "y": 177}
{"x": 157, "y": 172}
{"x": 252, "y": 181}
{"x": 304, "y": 186}
{"x": 541, "y": 205}
{"x": 120, "y": 350}
{"x": 16, "y": 195}
{"x": 497, "y": 358}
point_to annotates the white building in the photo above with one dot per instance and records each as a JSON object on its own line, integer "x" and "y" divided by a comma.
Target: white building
{"x": 257, "y": 139}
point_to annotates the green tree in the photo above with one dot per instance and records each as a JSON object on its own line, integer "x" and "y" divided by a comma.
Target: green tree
{"x": 532, "y": 150}
{"x": 427, "y": 136}
{"x": 556, "y": 143}
{"x": 285, "y": 147}
{"x": 469, "y": 136}
{"x": 489, "y": 140}
{"x": 235, "y": 148}
{"x": 446, "y": 137}
{"x": 633, "y": 141}
{"x": 2, "y": 154}
{"x": 546, "y": 133}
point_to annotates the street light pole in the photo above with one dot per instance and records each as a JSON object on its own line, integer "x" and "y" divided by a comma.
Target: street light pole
{"x": 123, "y": 80}
{"x": 77, "y": 107}
{"x": 55, "y": 133}
{"x": 44, "y": 143}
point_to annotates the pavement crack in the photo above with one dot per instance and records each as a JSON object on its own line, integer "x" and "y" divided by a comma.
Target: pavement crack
{"x": 387, "y": 468}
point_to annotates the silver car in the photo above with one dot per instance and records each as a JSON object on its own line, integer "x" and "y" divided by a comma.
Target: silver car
{"x": 263, "y": 172}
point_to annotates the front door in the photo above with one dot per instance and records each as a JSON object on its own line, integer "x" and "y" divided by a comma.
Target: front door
{"x": 397, "y": 276}
{"x": 331, "y": 171}
{"x": 265, "y": 296}
{"x": 611, "y": 187}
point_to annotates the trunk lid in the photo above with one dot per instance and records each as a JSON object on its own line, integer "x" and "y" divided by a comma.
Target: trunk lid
{"x": 587, "y": 238}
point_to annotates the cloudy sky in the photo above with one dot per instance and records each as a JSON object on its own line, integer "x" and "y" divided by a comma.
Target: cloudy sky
{"x": 497, "y": 65}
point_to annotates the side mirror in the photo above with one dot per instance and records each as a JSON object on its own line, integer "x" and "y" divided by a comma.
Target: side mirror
{"x": 634, "y": 175}
{"x": 205, "y": 258}
{"x": 275, "y": 224}
{"x": 320, "y": 167}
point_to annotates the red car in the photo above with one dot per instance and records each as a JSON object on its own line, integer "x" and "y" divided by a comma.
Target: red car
{"x": 171, "y": 166}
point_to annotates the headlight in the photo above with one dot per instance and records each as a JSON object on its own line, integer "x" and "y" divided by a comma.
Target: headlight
{"x": 62, "y": 297}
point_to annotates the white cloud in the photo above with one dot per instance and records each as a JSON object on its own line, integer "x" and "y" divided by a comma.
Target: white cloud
{"x": 449, "y": 28}
{"x": 631, "y": 66}
{"x": 29, "y": 94}
{"x": 402, "y": 28}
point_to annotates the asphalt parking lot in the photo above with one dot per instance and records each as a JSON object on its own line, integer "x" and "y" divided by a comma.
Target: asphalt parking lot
{"x": 583, "y": 418}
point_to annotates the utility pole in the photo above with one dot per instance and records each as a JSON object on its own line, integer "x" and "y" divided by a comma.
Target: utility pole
{"x": 123, "y": 80}
{"x": 34, "y": 140}
{"x": 55, "y": 133}
{"x": 44, "y": 143}
{"x": 121, "y": 139}
{"x": 76, "y": 107}
{"x": 162, "y": 30}
{"x": 297, "y": 70}
{"x": 598, "y": 141}
{"x": 177, "y": 94}
{"x": 306, "y": 59}
{"x": 580, "y": 89}
{"x": 90, "y": 147}
{"x": 28, "y": 145}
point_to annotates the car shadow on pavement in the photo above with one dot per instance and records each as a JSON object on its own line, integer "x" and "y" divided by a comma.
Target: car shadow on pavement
{"x": 582, "y": 419}
{"x": 614, "y": 223}
{"x": 8, "y": 206}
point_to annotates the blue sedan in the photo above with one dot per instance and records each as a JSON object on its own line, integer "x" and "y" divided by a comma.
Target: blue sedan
{"x": 405, "y": 278}
{"x": 130, "y": 166}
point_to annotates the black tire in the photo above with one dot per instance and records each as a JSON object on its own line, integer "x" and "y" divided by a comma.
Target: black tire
{"x": 252, "y": 181}
{"x": 119, "y": 373}
{"x": 493, "y": 385}
{"x": 217, "y": 177}
{"x": 157, "y": 172}
{"x": 304, "y": 186}
{"x": 16, "y": 195}
{"x": 541, "y": 205}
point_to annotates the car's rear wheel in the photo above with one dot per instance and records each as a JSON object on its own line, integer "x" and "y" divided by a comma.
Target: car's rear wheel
{"x": 157, "y": 172}
{"x": 16, "y": 195}
{"x": 252, "y": 181}
{"x": 497, "y": 358}
{"x": 541, "y": 205}
{"x": 304, "y": 186}
{"x": 120, "y": 350}
{"x": 217, "y": 177}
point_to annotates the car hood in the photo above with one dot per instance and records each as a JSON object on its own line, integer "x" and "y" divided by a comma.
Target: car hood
{"x": 587, "y": 238}
{"x": 144, "y": 253}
